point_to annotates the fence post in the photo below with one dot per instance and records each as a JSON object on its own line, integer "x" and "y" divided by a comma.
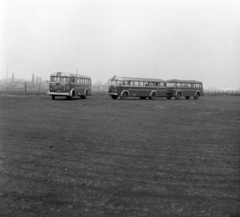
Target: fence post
{"x": 25, "y": 88}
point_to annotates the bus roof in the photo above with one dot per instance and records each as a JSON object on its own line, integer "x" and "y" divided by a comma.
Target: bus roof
{"x": 67, "y": 74}
{"x": 182, "y": 81}
{"x": 136, "y": 79}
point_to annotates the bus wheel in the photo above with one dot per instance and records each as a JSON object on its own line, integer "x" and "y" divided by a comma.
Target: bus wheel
{"x": 178, "y": 95}
{"x": 53, "y": 97}
{"x": 124, "y": 95}
{"x": 153, "y": 95}
{"x": 114, "y": 97}
{"x": 169, "y": 97}
{"x": 85, "y": 95}
{"x": 187, "y": 97}
{"x": 142, "y": 97}
{"x": 69, "y": 97}
{"x": 197, "y": 96}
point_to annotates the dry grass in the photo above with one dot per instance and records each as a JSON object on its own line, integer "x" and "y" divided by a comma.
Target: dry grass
{"x": 104, "y": 157}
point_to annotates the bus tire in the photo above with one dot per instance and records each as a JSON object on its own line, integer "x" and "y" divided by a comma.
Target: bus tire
{"x": 143, "y": 97}
{"x": 169, "y": 97}
{"x": 124, "y": 95}
{"x": 187, "y": 97}
{"x": 85, "y": 95}
{"x": 153, "y": 95}
{"x": 69, "y": 97}
{"x": 53, "y": 97}
{"x": 197, "y": 96}
{"x": 178, "y": 96}
{"x": 114, "y": 96}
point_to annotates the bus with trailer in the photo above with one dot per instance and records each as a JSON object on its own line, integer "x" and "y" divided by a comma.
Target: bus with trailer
{"x": 184, "y": 88}
{"x": 69, "y": 85}
{"x": 124, "y": 87}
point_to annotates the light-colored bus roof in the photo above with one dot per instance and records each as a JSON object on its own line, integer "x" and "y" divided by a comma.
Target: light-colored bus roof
{"x": 136, "y": 79}
{"x": 182, "y": 81}
{"x": 67, "y": 74}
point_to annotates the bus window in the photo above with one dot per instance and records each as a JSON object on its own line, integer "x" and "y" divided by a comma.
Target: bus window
{"x": 197, "y": 85}
{"x": 161, "y": 84}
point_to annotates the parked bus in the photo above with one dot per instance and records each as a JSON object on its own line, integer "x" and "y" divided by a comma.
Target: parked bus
{"x": 143, "y": 88}
{"x": 69, "y": 85}
{"x": 178, "y": 88}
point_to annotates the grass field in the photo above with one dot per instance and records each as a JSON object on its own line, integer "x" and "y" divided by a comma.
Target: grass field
{"x": 104, "y": 157}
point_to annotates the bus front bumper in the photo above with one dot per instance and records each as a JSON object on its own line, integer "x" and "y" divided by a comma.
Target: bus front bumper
{"x": 58, "y": 93}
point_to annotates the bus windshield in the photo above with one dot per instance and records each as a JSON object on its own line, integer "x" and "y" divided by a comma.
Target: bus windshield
{"x": 59, "y": 79}
{"x": 116, "y": 82}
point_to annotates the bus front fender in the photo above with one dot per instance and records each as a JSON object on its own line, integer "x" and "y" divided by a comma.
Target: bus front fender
{"x": 71, "y": 92}
{"x": 85, "y": 91}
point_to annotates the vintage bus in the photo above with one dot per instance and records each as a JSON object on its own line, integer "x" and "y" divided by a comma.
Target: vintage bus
{"x": 69, "y": 85}
{"x": 143, "y": 88}
{"x": 187, "y": 88}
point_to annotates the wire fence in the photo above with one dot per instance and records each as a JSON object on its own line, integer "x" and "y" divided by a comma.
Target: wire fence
{"x": 38, "y": 89}
{"x": 23, "y": 88}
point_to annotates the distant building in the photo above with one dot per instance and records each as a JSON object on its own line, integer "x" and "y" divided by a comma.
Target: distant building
{"x": 33, "y": 78}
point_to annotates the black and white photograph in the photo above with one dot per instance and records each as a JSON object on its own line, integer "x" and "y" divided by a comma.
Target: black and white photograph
{"x": 126, "y": 108}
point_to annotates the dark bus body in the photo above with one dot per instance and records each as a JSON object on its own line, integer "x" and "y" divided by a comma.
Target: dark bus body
{"x": 184, "y": 88}
{"x": 143, "y": 88}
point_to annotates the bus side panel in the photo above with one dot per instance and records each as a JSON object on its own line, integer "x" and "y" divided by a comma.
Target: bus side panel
{"x": 145, "y": 92}
{"x": 135, "y": 91}
{"x": 188, "y": 92}
{"x": 162, "y": 92}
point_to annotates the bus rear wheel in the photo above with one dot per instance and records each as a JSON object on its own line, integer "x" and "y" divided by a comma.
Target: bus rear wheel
{"x": 85, "y": 95}
{"x": 114, "y": 96}
{"x": 187, "y": 97}
{"x": 178, "y": 96}
{"x": 153, "y": 95}
{"x": 197, "y": 96}
{"x": 124, "y": 95}
{"x": 53, "y": 97}
{"x": 169, "y": 97}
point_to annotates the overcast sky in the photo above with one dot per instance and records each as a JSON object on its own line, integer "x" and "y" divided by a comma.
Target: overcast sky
{"x": 184, "y": 39}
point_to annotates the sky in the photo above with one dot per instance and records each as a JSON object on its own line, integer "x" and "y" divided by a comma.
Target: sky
{"x": 166, "y": 39}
